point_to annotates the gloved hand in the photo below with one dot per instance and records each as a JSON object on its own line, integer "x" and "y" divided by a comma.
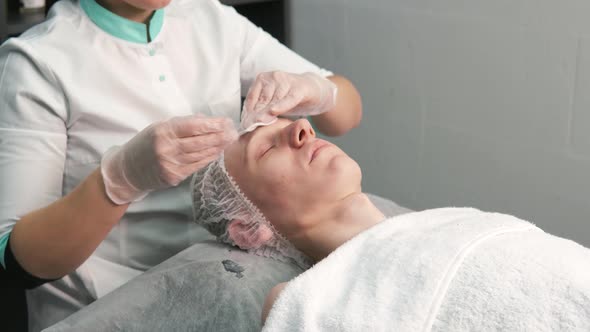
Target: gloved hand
{"x": 276, "y": 93}
{"x": 163, "y": 154}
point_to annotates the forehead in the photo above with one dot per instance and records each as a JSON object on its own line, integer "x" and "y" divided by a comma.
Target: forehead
{"x": 264, "y": 130}
{"x": 259, "y": 133}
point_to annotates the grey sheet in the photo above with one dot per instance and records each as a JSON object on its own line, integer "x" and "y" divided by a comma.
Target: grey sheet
{"x": 207, "y": 287}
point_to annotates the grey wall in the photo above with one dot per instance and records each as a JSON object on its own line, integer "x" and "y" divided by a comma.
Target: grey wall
{"x": 482, "y": 103}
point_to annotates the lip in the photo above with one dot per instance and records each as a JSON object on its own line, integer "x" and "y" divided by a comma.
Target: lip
{"x": 316, "y": 147}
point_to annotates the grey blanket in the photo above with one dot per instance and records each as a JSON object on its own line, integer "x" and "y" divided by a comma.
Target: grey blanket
{"x": 207, "y": 287}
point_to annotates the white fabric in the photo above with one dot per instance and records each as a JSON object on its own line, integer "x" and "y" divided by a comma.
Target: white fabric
{"x": 451, "y": 269}
{"x": 69, "y": 91}
{"x": 218, "y": 200}
{"x": 244, "y": 130}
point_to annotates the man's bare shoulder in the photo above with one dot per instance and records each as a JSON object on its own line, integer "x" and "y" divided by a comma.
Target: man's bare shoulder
{"x": 271, "y": 297}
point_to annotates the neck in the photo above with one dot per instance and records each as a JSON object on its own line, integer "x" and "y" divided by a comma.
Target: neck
{"x": 123, "y": 9}
{"x": 339, "y": 223}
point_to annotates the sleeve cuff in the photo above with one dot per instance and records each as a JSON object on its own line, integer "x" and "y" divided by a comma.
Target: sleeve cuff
{"x": 3, "y": 243}
{"x": 13, "y": 272}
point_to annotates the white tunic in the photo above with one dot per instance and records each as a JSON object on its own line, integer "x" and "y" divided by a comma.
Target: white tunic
{"x": 69, "y": 91}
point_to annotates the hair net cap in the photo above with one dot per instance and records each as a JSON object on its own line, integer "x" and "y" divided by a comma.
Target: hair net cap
{"x": 217, "y": 201}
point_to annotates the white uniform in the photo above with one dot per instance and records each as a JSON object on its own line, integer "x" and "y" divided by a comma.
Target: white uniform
{"x": 84, "y": 81}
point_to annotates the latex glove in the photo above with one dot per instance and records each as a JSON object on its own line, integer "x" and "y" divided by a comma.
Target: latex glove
{"x": 163, "y": 154}
{"x": 280, "y": 93}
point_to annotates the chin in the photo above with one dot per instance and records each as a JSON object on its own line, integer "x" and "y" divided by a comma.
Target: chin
{"x": 343, "y": 166}
{"x": 149, "y": 4}
{"x": 159, "y": 4}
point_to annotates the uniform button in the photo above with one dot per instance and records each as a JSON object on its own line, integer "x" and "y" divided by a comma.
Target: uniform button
{"x": 152, "y": 52}
{"x": 162, "y": 78}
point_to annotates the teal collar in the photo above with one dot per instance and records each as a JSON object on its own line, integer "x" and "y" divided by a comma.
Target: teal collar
{"x": 121, "y": 27}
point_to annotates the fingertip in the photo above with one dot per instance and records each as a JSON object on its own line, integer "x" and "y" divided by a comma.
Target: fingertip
{"x": 232, "y": 138}
{"x": 231, "y": 134}
{"x": 228, "y": 122}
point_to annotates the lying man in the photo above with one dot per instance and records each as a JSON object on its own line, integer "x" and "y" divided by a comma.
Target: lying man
{"x": 281, "y": 192}
{"x": 210, "y": 286}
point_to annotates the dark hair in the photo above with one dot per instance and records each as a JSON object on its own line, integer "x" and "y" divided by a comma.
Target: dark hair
{"x": 48, "y": 4}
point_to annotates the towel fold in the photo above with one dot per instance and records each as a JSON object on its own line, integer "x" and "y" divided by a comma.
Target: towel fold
{"x": 451, "y": 269}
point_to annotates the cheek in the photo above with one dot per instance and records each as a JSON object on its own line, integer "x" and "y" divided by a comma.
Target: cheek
{"x": 272, "y": 187}
{"x": 275, "y": 187}
{"x": 341, "y": 175}
{"x": 345, "y": 166}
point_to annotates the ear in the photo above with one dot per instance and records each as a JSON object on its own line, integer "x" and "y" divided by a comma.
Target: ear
{"x": 249, "y": 236}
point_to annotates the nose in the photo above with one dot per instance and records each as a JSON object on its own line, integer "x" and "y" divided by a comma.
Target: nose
{"x": 299, "y": 132}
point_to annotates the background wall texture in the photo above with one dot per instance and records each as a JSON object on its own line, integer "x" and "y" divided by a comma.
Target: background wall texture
{"x": 482, "y": 103}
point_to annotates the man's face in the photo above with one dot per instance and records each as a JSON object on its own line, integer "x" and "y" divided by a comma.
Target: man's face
{"x": 290, "y": 174}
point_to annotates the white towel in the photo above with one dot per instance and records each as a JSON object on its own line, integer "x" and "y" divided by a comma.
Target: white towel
{"x": 451, "y": 269}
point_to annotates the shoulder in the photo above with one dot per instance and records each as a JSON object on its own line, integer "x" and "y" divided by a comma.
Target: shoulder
{"x": 62, "y": 20}
{"x": 271, "y": 297}
{"x": 209, "y": 9}
{"x": 52, "y": 36}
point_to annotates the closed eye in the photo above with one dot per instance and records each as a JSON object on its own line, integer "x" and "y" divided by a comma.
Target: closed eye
{"x": 264, "y": 151}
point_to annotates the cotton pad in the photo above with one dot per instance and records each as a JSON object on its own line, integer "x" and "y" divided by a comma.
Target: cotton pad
{"x": 255, "y": 125}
